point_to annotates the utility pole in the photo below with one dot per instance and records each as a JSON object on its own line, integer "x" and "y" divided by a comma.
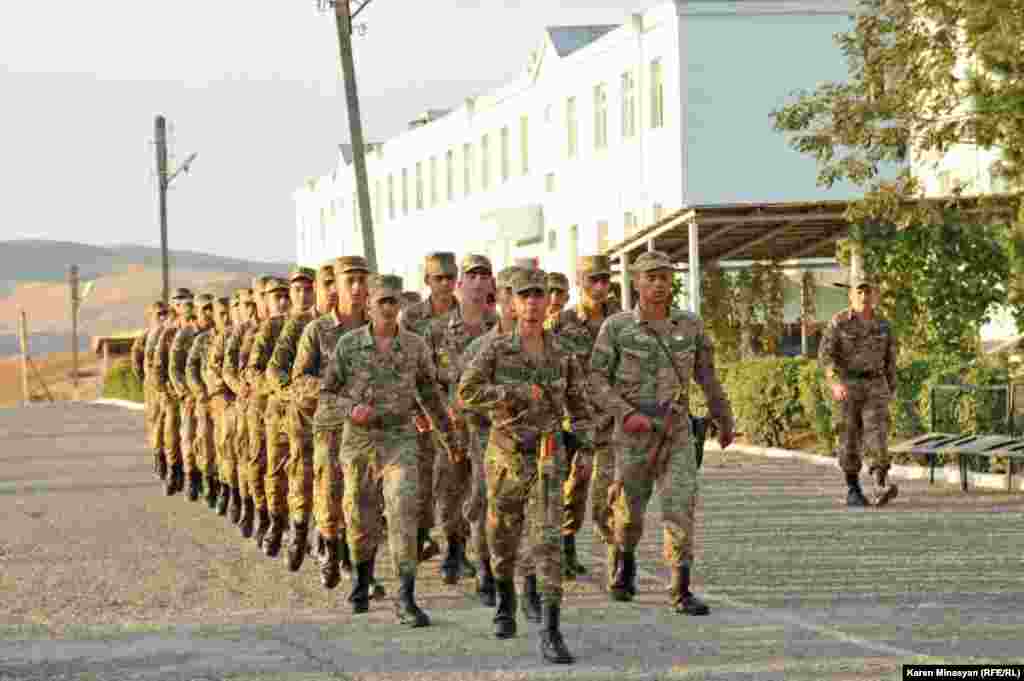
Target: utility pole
{"x": 343, "y": 19}
{"x": 164, "y": 180}
{"x": 73, "y": 283}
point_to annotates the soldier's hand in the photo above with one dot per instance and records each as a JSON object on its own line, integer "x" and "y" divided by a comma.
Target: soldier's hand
{"x": 636, "y": 423}
{"x": 725, "y": 438}
{"x": 456, "y": 454}
{"x": 362, "y": 415}
{"x": 422, "y": 423}
{"x": 839, "y": 392}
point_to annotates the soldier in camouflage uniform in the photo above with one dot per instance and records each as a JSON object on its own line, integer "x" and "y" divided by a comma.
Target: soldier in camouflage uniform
{"x": 178, "y": 355}
{"x": 578, "y": 328}
{"x": 236, "y": 356}
{"x": 427, "y": 320}
{"x": 195, "y": 365}
{"x": 156, "y": 313}
{"x": 285, "y": 470}
{"x": 226, "y": 316}
{"x": 316, "y": 347}
{"x": 410, "y": 298}
{"x": 261, "y": 438}
{"x": 377, "y": 377}
{"x": 558, "y": 287}
{"x": 858, "y": 355}
{"x": 641, "y": 366}
{"x": 170, "y": 402}
{"x": 526, "y": 381}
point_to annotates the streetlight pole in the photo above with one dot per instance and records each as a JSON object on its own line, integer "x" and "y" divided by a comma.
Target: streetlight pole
{"x": 164, "y": 180}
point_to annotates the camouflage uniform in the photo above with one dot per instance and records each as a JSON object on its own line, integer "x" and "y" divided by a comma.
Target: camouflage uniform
{"x": 195, "y": 365}
{"x": 178, "y": 354}
{"x": 170, "y": 402}
{"x": 525, "y": 456}
{"x": 631, "y": 373}
{"x": 223, "y": 414}
{"x": 393, "y": 383}
{"x": 149, "y": 396}
{"x": 861, "y": 354}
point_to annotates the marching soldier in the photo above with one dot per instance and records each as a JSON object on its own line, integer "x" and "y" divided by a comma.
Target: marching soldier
{"x": 156, "y": 314}
{"x": 558, "y": 287}
{"x": 226, "y": 318}
{"x": 527, "y": 381}
{"x": 858, "y": 356}
{"x": 195, "y": 366}
{"x": 641, "y": 367}
{"x": 178, "y": 355}
{"x": 377, "y": 376}
{"x": 170, "y": 403}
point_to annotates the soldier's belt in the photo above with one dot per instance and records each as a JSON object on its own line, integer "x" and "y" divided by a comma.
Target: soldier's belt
{"x": 864, "y": 375}
{"x": 655, "y": 410}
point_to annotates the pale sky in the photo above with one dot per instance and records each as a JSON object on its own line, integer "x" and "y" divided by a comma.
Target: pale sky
{"x": 253, "y": 87}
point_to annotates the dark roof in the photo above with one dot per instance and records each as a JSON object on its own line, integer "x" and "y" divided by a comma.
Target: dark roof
{"x": 568, "y": 39}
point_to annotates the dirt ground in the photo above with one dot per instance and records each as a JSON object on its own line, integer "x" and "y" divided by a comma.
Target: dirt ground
{"x": 103, "y": 577}
{"x": 54, "y": 370}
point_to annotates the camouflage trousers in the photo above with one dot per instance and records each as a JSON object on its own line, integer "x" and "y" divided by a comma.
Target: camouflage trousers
{"x": 475, "y": 508}
{"x": 328, "y": 482}
{"x": 452, "y": 484}
{"x": 239, "y": 416}
{"x": 373, "y": 459}
{"x": 300, "y": 473}
{"x": 596, "y": 483}
{"x": 426, "y": 456}
{"x": 188, "y": 435}
{"x": 170, "y": 426}
{"x": 256, "y": 464}
{"x": 276, "y": 477}
{"x": 224, "y": 426}
{"x": 676, "y": 485}
{"x": 205, "y": 443}
{"x": 523, "y": 489}
{"x": 154, "y": 418}
{"x": 861, "y": 425}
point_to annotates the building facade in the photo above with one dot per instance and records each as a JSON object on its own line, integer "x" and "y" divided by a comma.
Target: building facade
{"x": 607, "y": 129}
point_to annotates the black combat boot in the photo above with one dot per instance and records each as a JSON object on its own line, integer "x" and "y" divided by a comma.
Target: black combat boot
{"x": 450, "y": 564}
{"x": 160, "y": 465}
{"x": 624, "y": 586}
{"x": 224, "y": 500}
{"x": 612, "y": 563}
{"x": 405, "y": 605}
{"x": 854, "y": 494}
{"x": 466, "y": 568}
{"x": 272, "y": 541}
{"x": 552, "y": 645}
{"x": 376, "y": 589}
{"x": 505, "y": 617}
{"x": 683, "y": 600}
{"x": 485, "y": 587}
{"x": 344, "y": 555}
{"x": 297, "y": 546}
{"x": 330, "y": 575}
{"x": 360, "y": 595}
{"x": 884, "y": 491}
{"x": 428, "y": 547}
{"x": 570, "y": 564}
{"x": 212, "y": 491}
{"x": 262, "y": 525}
{"x": 531, "y": 599}
{"x": 235, "y": 512}
{"x": 175, "y": 480}
{"x": 195, "y": 485}
{"x": 248, "y": 517}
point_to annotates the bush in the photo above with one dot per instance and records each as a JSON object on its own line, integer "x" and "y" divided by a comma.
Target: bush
{"x": 120, "y": 383}
{"x": 765, "y": 396}
{"x": 817, "y": 403}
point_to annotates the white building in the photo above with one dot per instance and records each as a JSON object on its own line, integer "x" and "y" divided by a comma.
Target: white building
{"x": 606, "y": 129}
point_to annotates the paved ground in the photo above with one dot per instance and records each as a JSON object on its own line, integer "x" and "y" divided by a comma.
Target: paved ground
{"x": 102, "y": 577}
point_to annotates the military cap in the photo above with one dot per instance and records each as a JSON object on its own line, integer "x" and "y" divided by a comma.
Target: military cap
{"x": 860, "y": 280}
{"x": 557, "y": 280}
{"x": 528, "y": 280}
{"x": 244, "y": 295}
{"x": 350, "y": 263}
{"x": 440, "y": 262}
{"x": 385, "y": 286}
{"x": 652, "y": 260}
{"x": 525, "y": 263}
{"x": 224, "y": 302}
{"x": 592, "y": 265}
{"x": 259, "y": 283}
{"x": 505, "y": 276}
{"x": 300, "y": 273}
{"x": 411, "y": 296}
{"x": 475, "y": 261}
{"x": 181, "y": 294}
{"x": 326, "y": 272}
{"x": 204, "y": 299}
{"x": 275, "y": 284}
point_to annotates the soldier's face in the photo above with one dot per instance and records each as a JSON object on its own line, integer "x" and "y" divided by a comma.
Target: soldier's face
{"x": 329, "y": 295}
{"x": 302, "y": 294}
{"x": 222, "y": 317}
{"x": 654, "y": 287}
{"x": 558, "y": 300}
{"x": 505, "y": 299}
{"x": 475, "y": 285}
{"x": 863, "y": 298}
{"x": 531, "y": 305}
{"x": 261, "y": 304}
{"x": 353, "y": 289}
{"x": 595, "y": 287}
{"x": 441, "y": 285}
{"x": 279, "y": 303}
{"x": 249, "y": 310}
{"x": 385, "y": 310}
{"x": 206, "y": 319}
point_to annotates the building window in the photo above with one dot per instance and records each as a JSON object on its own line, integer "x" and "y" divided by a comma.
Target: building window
{"x": 570, "y": 127}
{"x": 505, "y": 169}
{"x": 391, "y": 196}
{"x": 600, "y": 116}
{"x": 449, "y": 171}
{"x": 602, "y": 236}
{"x": 485, "y": 163}
{"x": 524, "y": 145}
{"x": 419, "y": 185}
{"x": 552, "y": 240}
{"x": 549, "y": 183}
{"x": 629, "y": 223}
{"x": 628, "y": 105}
{"x": 657, "y": 95}
{"x": 433, "y": 181}
{"x": 405, "y": 191}
{"x": 467, "y": 169}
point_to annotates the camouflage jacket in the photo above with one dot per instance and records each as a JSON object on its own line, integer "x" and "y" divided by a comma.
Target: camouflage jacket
{"x": 255, "y": 373}
{"x": 195, "y": 365}
{"x": 316, "y": 347}
{"x": 852, "y": 348}
{"x": 451, "y": 349}
{"x": 178, "y": 355}
{"x": 419, "y": 318}
{"x": 236, "y": 354}
{"x": 161, "y": 360}
{"x": 139, "y": 356}
{"x": 393, "y": 383}
{"x": 500, "y": 378}
{"x": 279, "y": 368}
{"x": 213, "y": 372}
{"x": 628, "y": 368}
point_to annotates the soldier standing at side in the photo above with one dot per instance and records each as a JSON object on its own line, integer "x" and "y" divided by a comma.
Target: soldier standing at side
{"x": 858, "y": 356}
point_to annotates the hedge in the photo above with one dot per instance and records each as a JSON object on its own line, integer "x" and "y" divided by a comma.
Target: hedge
{"x": 120, "y": 383}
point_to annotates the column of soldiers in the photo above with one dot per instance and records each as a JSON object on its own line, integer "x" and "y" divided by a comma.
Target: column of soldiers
{"x": 331, "y": 398}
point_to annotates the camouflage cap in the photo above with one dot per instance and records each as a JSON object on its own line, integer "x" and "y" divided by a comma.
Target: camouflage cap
{"x": 385, "y": 286}
{"x": 411, "y": 297}
{"x": 652, "y": 260}
{"x": 260, "y": 283}
{"x": 860, "y": 280}
{"x": 592, "y": 265}
{"x": 275, "y": 284}
{"x": 204, "y": 299}
{"x": 181, "y": 294}
{"x": 350, "y": 263}
{"x": 475, "y": 261}
{"x": 557, "y": 281}
{"x": 223, "y": 303}
{"x": 440, "y": 262}
{"x": 529, "y": 280}
{"x": 300, "y": 273}
{"x": 525, "y": 263}
{"x": 325, "y": 273}
{"x": 244, "y": 295}
{"x": 505, "y": 276}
